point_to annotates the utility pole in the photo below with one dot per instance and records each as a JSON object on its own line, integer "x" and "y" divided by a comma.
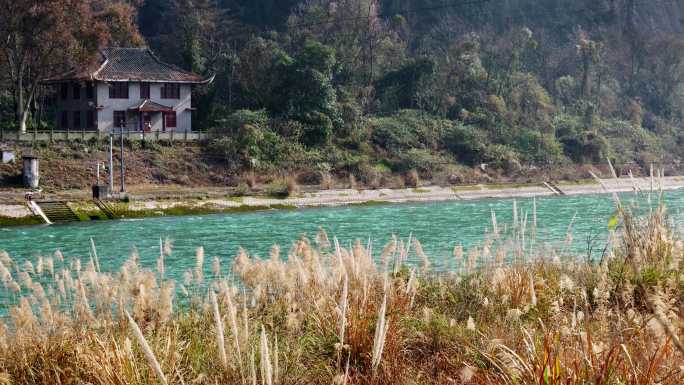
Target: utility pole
{"x": 123, "y": 169}
{"x": 111, "y": 163}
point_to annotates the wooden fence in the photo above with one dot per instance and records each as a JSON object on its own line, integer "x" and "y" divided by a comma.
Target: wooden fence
{"x": 59, "y": 136}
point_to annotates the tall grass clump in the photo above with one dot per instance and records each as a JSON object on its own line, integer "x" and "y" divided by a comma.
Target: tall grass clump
{"x": 510, "y": 310}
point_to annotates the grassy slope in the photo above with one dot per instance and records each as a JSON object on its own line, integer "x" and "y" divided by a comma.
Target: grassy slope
{"x": 162, "y": 170}
{"x": 73, "y": 166}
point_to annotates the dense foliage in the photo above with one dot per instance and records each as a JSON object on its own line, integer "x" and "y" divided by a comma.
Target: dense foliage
{"x": 397, "y": 84}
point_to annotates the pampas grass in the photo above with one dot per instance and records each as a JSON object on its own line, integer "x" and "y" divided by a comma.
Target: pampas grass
{"x": 220, "y": 341}
{"x": 381, "y": 327}
{"x": 149, "y": 355}
{"x": 265, "y": 359}
{"x": 506, "y": 313}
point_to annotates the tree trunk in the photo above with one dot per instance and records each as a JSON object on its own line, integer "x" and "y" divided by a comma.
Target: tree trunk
{"x": 586, "y": 93}
{"x": 21, "y": 106}
{"x": 24, "y": 119}
{"x": 25, "y": 111}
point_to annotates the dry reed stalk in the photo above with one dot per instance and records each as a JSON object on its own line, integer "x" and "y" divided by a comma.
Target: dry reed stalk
{"x": 533, "y": 292}
{"x": 343, "y": 309}
{"x": 199, "y": 266}
{"x": 97, "y": 260}
{"x": 458, "y": 258}
{"x": 534, "y": 219}
{"x": 495, "y": 227}
{"x": 216, "y": 267}
{"x": 425, "y": 261}
{"x": 651, "y": 176}
{"x": 151, "y": 359}
{"x": 515, "y": 214}
{"x": 381, "y": 328}
{"x": 265, "y": 359}
{"x": 252, "y": 368}
{"x": 220, "y": 342}
{"x": 232, "y": 316}
{"x": 616, "y": 199}
{"x": 245, "y": 317}
{"x": 160, "y": 261}
{"x": 612, "y": 169}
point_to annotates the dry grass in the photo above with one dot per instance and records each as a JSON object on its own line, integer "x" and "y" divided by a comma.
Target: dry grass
{"x": 328, "y": 314}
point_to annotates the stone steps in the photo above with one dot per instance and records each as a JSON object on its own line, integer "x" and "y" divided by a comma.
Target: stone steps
{"x": 58, "y": 211}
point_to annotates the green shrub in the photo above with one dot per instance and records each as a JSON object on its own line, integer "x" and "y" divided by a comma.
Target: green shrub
{"x": 241, "y": 189}
{"x": 317, "y": 130}
{"x": 467, "y": 143}
{"x": 239, "y": 120}
{"x": 538, "y": 147}
{"x": 408, "y": 129}
{"x": 373, "y": 174}
{"x": 502, "y": 157}
{"x": 282, "y": 188}
{"x": 423, "y": 161}
{"x": 586, "y": 147}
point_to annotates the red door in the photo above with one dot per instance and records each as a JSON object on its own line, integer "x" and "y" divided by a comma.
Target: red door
{"x": 147, "y": 122}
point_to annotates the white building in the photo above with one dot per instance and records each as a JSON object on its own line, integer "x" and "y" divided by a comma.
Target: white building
{"x": 128, "y": 87}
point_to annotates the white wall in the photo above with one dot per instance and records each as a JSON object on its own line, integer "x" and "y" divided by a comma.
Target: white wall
{"x": 181, "y": 106}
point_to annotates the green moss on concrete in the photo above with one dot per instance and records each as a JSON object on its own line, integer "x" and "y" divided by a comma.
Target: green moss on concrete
{"x": 283, "y": 207}
{"x": 370, "y": 203}
{"x": 21, "y": 221}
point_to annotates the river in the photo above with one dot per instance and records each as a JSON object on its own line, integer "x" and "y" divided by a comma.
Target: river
{"x": 439, "y": 226}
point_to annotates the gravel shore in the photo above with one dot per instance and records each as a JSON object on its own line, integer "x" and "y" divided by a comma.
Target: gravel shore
{"x": 341, "y": 197}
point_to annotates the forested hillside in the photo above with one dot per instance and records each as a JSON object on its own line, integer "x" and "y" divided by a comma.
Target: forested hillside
{"x": 378, "y": 87}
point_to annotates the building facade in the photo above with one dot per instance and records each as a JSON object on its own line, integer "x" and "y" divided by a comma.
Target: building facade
{"x": 129, "y": 88}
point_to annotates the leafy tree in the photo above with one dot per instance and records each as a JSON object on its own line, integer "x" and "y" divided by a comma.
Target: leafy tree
{"x": 44, "y": 38}
{"x": 258, "y": 72}
{"x": 401, "y": 89}
{"x": 305, "y": 91}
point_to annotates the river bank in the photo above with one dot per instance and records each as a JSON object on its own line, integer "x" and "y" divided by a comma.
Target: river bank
{"x": 149, "y": 201}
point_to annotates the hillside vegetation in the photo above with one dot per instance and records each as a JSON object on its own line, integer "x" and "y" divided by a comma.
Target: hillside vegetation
{"x": 399, "y": 86}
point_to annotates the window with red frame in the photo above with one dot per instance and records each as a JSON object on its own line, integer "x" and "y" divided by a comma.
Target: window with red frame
{"x": 170, "y": 91}
{"x": 118, "y": 90}
{"x": 170, "y": 119}
{"x": 144, "y": 90}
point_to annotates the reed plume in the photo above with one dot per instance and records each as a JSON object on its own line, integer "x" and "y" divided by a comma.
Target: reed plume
{"x": 149, "y": 355}
{"x": 219, "y": 330}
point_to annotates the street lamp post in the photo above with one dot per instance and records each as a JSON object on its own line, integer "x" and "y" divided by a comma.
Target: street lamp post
{"x": 123, "y": 169}
{"x": 111, "y": 163}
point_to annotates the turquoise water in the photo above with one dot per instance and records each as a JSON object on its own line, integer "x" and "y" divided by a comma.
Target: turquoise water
{"x": 439, "y": 226}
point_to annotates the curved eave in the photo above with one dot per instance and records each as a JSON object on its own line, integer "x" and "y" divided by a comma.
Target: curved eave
{"x": 209, "y": 80}
{"x": 142, "y": 80}
{"x": 50, "y": 81}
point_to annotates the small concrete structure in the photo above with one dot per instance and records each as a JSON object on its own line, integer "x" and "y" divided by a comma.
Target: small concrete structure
{"x": 7, "y": 156}
{"x": 30, "y": 172}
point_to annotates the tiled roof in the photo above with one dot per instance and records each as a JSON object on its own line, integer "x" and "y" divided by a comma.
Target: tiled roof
{"x": 132, "y": 64}
{"x": 150, "y": 106}
{"x": 140, "y": 64}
